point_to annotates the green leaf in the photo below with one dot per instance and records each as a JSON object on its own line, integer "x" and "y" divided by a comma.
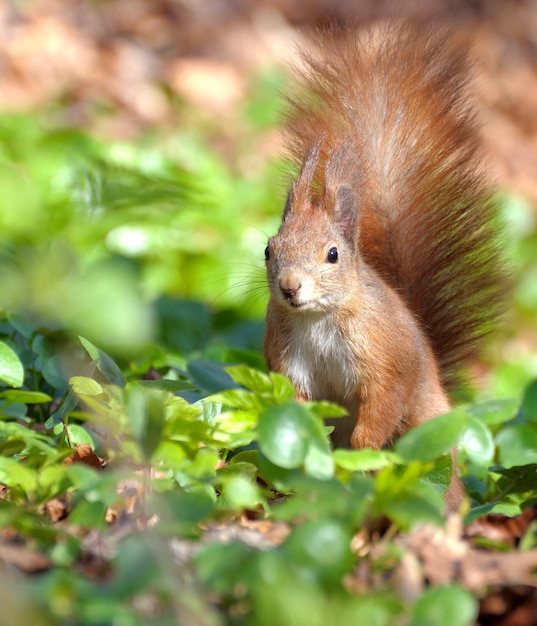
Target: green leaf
{"x": 248, "y": 457}
{"x": 179, "y": 408}
{"x": 325, "y": 410}
{"x": 393, "y": 481}
{"x": 105, "y": 363}
{"x": 373, "y": 611}
{"x": 477, "y": 442}
{"x": 494, "y": 411}
{"x": 84, "y": 386}
{"x": 204, "y": 463}
{"x": 440, "y": 476}
{"x": 14, "y": 473}
{"x": 506, "y": 509}
{"x": 517, "y": 445}
{"x": 25, "y": 397}
{"x": 323, "y": 547}
{"x": 240, "y": 493}
{"x": 146, "y": 412}
{"x": 12, "y": 447}
{"x": 11, "y": 369}
{"x": 315, "y": 499}
{"x": 319, "y": 462}
{"x": 283, "y": 435}
{"x": 32, "y": 438}
{"x": 13, "y": 410}
{"x": 89, "y": 514}
{"x": 240, "y": 399}
{"x": 529, "y": 402}
{"x": 433, "y": 438}
{"x": 240, "y": 423}
{"x": 519, "y": 479}
{"x": 290, "y": 436}
{"x": 282, "y": 387}
{"x": 69, "y": 403}
{"x": 209, "y": 376}
{"x": 20, "y": 324}
{"x": 167, "y": 385}
{"x": 78, "y": 434}
{"x": 239, "y": 468}
{"x": 276, "y": 476}
{"x": 412, "y": 510}
{"x": 250, "y": 378}
{"x": 445, "y": 606}
{"x": 365, "y": 460}
{"x": 52, "y": 373}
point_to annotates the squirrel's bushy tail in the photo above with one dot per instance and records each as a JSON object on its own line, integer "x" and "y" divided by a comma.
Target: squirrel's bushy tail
{"x": 391, "y": 104}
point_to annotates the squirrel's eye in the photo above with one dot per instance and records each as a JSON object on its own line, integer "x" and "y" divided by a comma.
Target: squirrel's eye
{"x": 332, "y": 255}
{"x": 267, "y": 253}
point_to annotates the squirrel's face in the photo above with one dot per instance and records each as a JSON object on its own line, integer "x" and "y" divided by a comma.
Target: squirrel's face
{"x": 310, "y": 263}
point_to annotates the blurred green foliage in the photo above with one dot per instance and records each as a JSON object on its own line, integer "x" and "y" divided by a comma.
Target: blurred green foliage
{"x": 516, "y": 351}
{"x": 93, "y": 234}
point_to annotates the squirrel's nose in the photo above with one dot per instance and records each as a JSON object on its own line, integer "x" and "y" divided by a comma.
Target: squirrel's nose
{"x": 290, "y": 285}
{"x": 290, "y": 292}
{"x": 291, "y": 282}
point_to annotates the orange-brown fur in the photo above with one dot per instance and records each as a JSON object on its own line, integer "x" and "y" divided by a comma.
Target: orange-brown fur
{"x": 391, "y": 179}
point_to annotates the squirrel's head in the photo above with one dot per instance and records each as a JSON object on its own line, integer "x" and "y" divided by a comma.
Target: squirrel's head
{"x": 312, "y": 259}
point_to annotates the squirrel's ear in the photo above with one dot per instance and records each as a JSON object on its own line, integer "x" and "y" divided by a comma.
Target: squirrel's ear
{"x": 345, "y": 210}
{"x": 300, "y": 191}
{"x": 288, "y": 204}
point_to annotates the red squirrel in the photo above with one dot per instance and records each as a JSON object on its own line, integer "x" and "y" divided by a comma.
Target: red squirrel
{"x": 385, "y": 274}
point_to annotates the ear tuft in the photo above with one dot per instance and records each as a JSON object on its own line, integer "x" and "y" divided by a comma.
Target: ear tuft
{"x": 345, "y": 211}
{"x": 301, "y": 189}
{"x": 288, "y": 203}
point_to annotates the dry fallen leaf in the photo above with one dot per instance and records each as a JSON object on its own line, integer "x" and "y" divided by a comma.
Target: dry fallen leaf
{"x": 24, "y": 558}
{"x": 500, "y": 528}
{"x": 83, "y": 453}
{"x": 57, "y": 509}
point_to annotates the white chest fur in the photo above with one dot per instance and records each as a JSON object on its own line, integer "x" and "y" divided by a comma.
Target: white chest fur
{"x": 320, "y": 361}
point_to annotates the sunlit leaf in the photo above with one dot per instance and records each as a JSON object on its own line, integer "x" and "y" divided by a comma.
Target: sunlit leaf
{"x": 364, "y": 460}
{"x": 86, "y": 386}
{"x": 432, "y": 438}
{"x": 11, "y": 369}
{"x": 319, "y": 462}
{"x": 240, "y": 493}
{"x": 16, "y": 473}
{"x": 517, "y": 445}
{"x": 283, "y": 435}
{"x": 250, "y": 378}
{"x": 477, "y": 442}
{"x": 325, "y": 410}
{"x": 25, "y": 397}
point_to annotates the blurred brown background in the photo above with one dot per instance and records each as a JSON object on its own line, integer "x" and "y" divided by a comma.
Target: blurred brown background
{"x": 112, "y": 65}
